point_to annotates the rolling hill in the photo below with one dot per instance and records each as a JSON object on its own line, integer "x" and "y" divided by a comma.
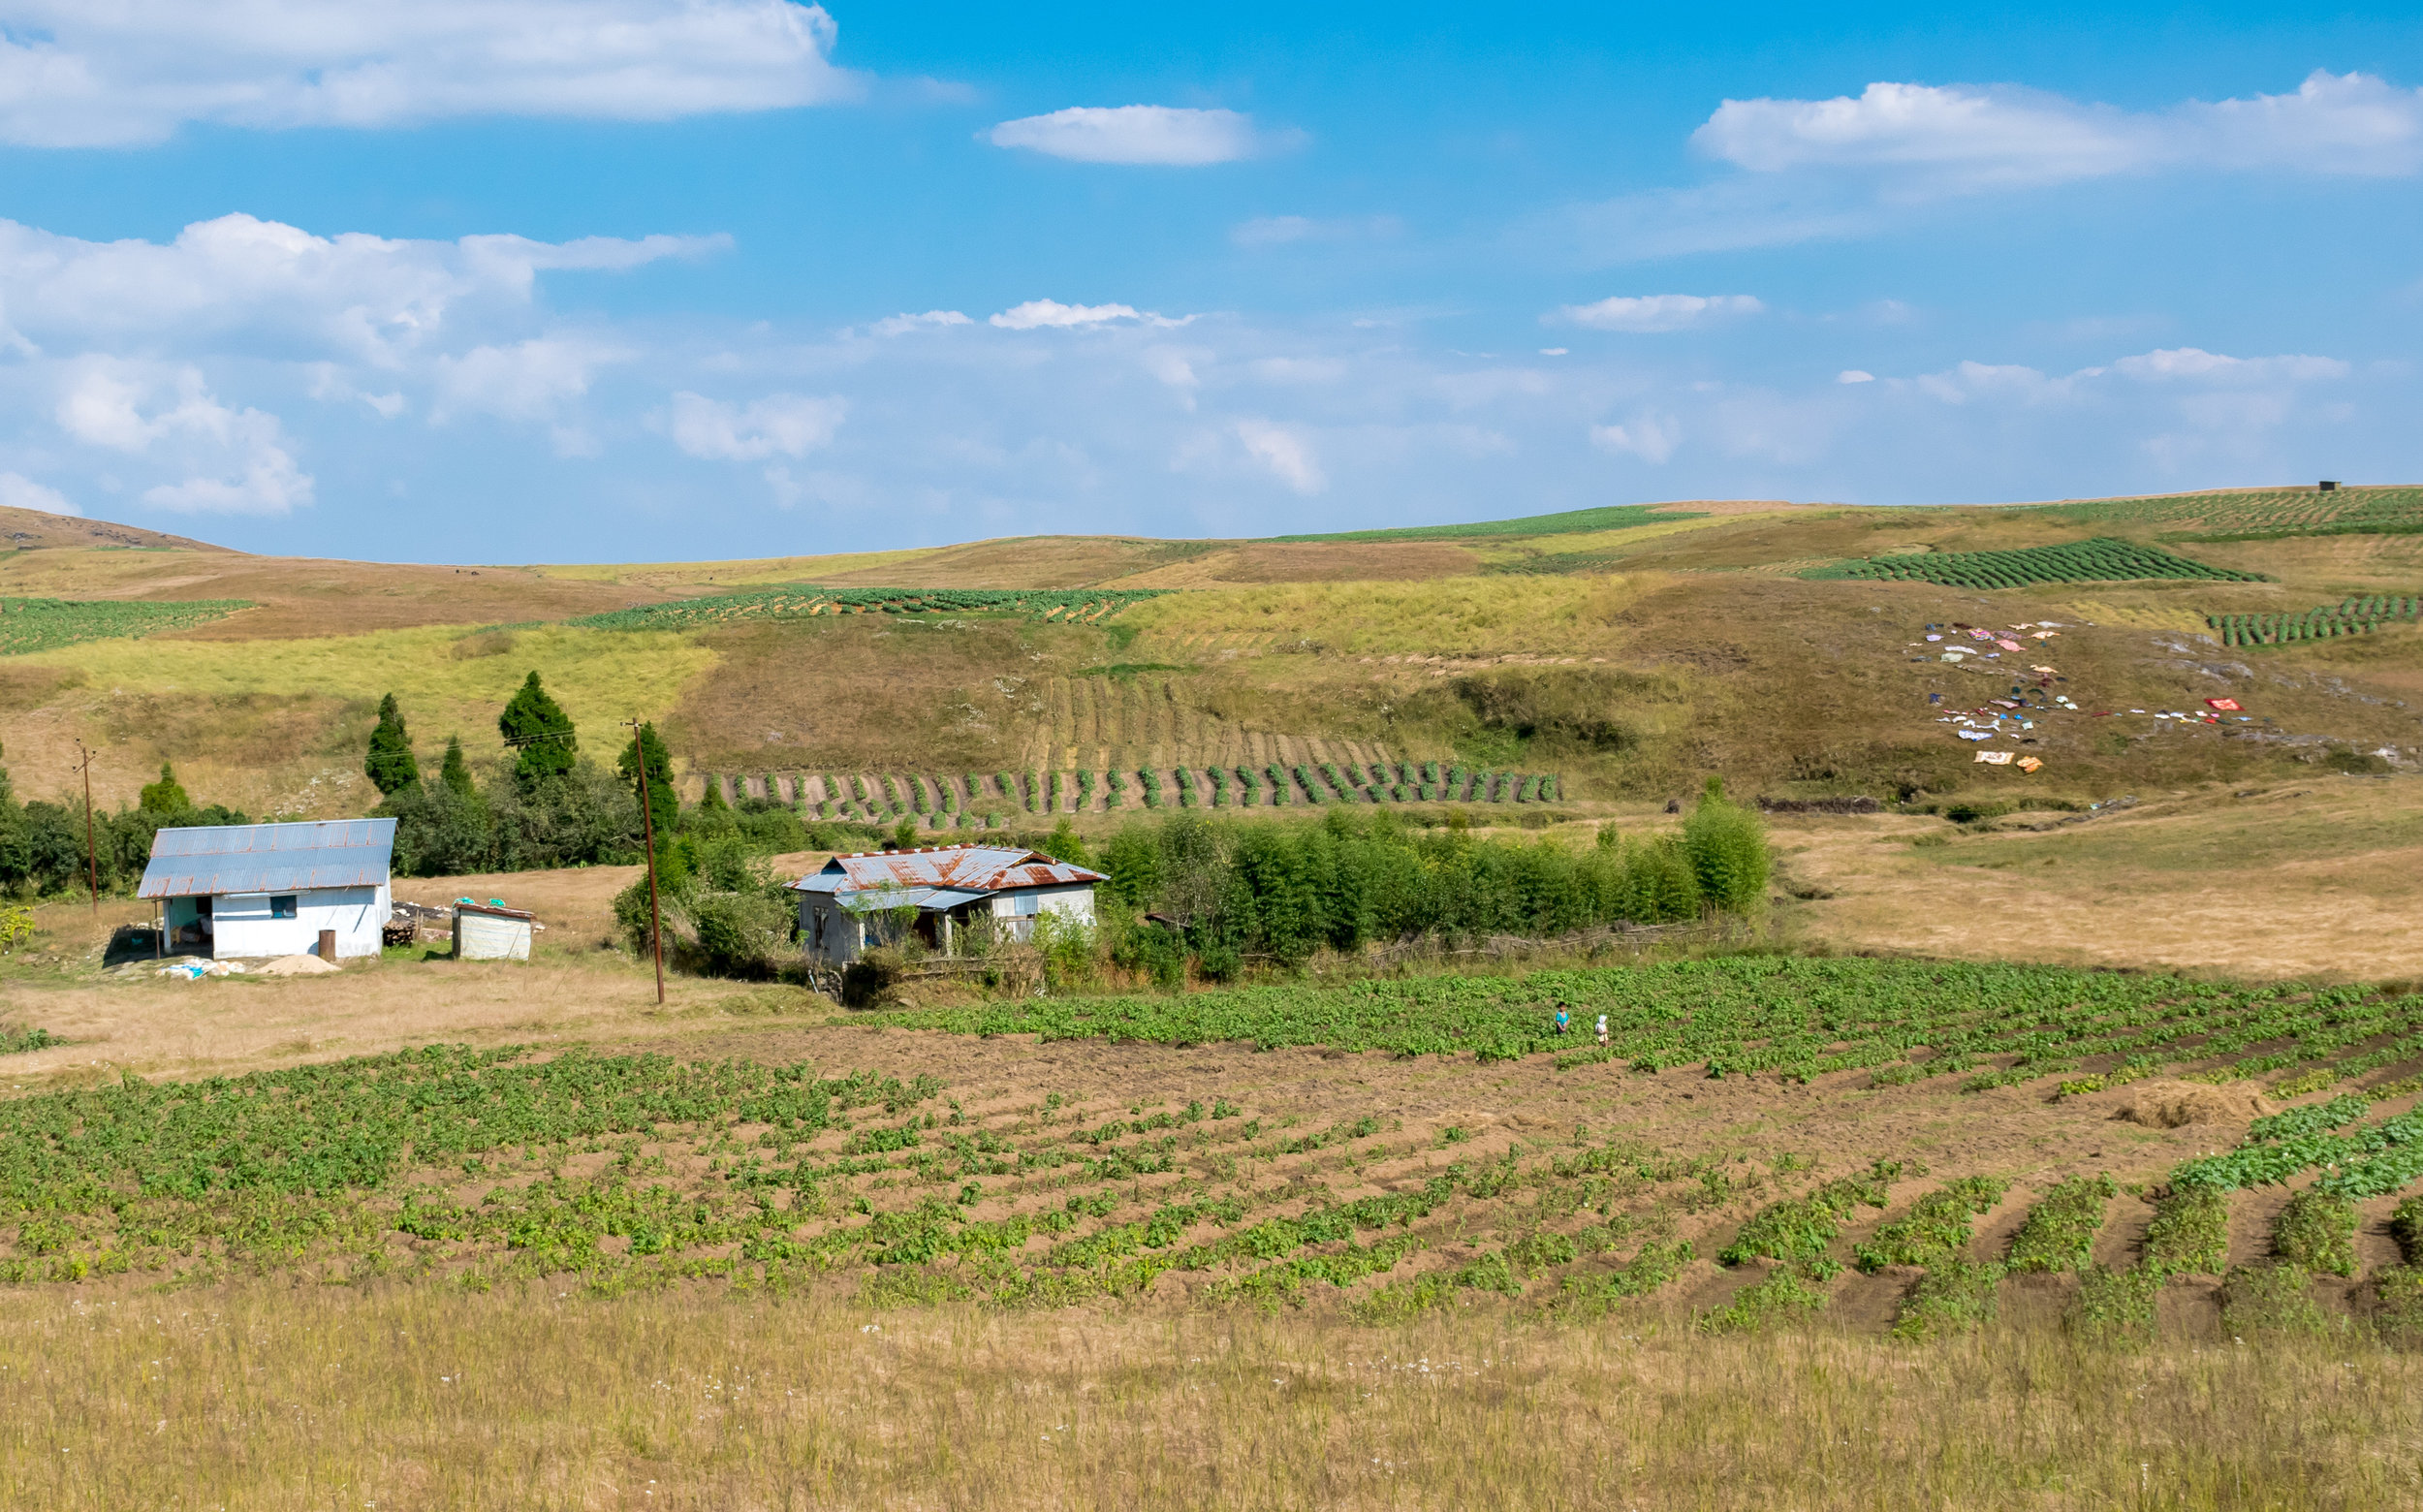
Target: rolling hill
{"x": 1628, "y": 651}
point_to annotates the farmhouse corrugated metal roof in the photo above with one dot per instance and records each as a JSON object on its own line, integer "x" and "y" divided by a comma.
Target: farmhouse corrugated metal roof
{"x": 268, "y": 858}
{"x": 939, "y": 876}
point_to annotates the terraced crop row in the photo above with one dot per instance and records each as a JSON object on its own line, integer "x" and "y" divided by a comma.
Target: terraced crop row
{"x": 1068, "y": 605}
{"x": 948, "y": 801}
{"x": 2353, "y": 616}
{"x": 2102, "y": 559}
{"x": 2262, "y": 515}
{"x": 39, "y": 624}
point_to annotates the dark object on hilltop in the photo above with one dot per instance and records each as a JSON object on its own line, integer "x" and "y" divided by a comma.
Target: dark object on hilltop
{"x": 1862, "y": 805}
{"x": 390, "y": 766}
{"x": 1673, "y": 805}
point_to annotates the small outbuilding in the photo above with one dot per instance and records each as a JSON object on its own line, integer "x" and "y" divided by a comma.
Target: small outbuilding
{"x": 936, "y": 892}
{"x": 252, "y": 890}
{"x": 491, "y": 931}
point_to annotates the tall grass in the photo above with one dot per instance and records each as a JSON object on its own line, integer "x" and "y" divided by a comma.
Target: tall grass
{"x": 599, "y": 676}
{"x": 1548, "y": 615}
{"x": 272, "y": 1397}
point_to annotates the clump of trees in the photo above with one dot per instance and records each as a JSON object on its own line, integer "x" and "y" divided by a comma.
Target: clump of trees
{"x": 543, "y": 803}
{"x": 1212, "y": 894}
{"x": 42, "y": 844}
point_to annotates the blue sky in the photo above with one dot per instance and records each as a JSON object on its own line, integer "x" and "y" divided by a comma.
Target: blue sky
{"x": 616, "y": 280}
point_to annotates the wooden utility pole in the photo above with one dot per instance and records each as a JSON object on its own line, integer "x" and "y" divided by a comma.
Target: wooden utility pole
{"x": 92, "y": 858}
{"x": 647, "y": 828}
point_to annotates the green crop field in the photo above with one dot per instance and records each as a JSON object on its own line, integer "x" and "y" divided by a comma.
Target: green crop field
{"x": 2261, "y": 514}
{"x": 1074, "y": 606}
{"x": 2102, "y": 559}
{"x": 2352, "y": 615}
{"x": 482, "y": 1165}
{"x": 37, "y": 625}
{"x": 1795, "y": 1019}
{"x": 448, "y": 1163}
{"x": 1575, "y": 522}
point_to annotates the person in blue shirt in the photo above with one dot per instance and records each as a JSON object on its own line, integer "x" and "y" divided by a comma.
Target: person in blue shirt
{"x": 1564, "y": 1018}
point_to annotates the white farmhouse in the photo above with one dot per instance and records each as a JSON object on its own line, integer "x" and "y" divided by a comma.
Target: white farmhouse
{"x": 934, "y": 891}
{"x": 240, "y": 889}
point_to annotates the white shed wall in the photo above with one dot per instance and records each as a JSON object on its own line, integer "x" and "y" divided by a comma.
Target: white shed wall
{"x": 1075, "y": 903}
{"x": 241, "y": 926}
{"x": 828, "y": 931}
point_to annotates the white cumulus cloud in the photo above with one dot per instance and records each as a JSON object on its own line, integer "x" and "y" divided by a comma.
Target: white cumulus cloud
{"x": 1656, "y": 312}
{"x": 1651, "y": 438}
{"x": 259, "y": 286}
{"x": 902, "y": 324}
{"x": 18, "y": 491}
{"x": 234, "y": 460}
{"x": 1141, "y": 135}
{"x": 1855, "y": 376}
{"x": 1040, "y": 314}
{"x": 1284, "y": 454}
{"x": 2193, "y": 363}
{"x": 111, "y": 73}
{"x": 1961, "y": 137}
{"x": 527, "y": 380}
{"x": 787, "y": 425}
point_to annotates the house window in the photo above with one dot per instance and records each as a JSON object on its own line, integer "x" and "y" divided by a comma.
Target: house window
{"x": 1025, "y": 905}
{"x": 282, "y": 906}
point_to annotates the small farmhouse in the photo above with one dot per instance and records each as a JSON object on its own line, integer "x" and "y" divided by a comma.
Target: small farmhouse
{"x": 272, "y": 889}
{"x": 934, "y": 891}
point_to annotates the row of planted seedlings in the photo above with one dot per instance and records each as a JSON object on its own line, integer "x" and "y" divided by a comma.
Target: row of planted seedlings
{"x": 481, "y": 1166}
{"x": 978, "y": 799}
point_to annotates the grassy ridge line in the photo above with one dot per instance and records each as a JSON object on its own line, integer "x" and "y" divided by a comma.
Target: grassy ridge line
{"x": 1574, "y": 522}
{"x": 41, "y": 624}
{"x": 806, "y": 601}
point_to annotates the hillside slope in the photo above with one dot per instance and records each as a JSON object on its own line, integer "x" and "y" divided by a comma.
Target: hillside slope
{"x": 1631, "y": 652}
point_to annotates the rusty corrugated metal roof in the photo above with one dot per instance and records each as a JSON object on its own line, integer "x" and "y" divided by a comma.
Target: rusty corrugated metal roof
{"x": 218, "y": 859}
{"x": 969, "y": 870}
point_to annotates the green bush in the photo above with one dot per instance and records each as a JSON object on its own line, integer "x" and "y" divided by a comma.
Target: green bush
{"x": 1953, "y": 1297}
{"x": 2271, "y": 1300}
{"x": 1728, "y": 849}
{"x": 2058, "y": 1231}
{"x": 2190, "y": 1233}
{"x": 1935, "y": 1229}
{"x": 2317, "y": 1231}
{"x": 2405, "y": 1226}
{"x": 1785, "y": 1296}
{"x": 2115, "y": 1307}
{"x": 1799, "y": 1230}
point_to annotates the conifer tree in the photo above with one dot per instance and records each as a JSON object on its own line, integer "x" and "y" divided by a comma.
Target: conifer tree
{"x": 536, "y": 726}
{"x": 390, "y": 765}
{"x": 165, "y": 795}
{"x": 664, "y": 799}
{"x": 456, "y": 773}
